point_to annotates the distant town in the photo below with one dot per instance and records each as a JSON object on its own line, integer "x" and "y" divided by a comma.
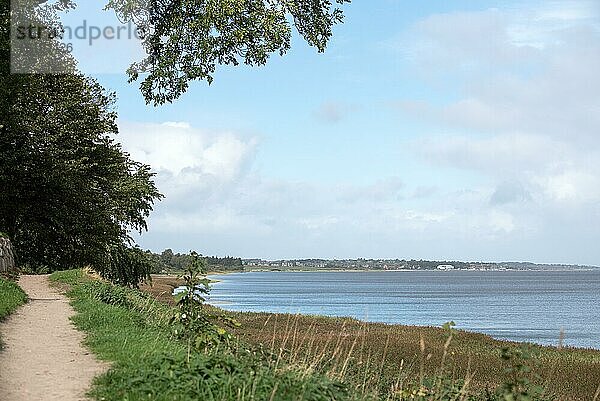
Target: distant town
{"x": 168, "y": 261}
{"x": 398, "y": 264}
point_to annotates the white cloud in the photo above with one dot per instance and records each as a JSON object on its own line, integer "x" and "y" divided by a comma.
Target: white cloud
{"x": 537, "y": 27}
{"x": 506, "y": 84}
{"x": 176, "y": 147}
{"x": 575, "y": 186}
{"x": 530, "y": 103}
{"x": 525, "y": 117}
{"x": 501, "y": 221}
{"x": 499, "y": 154}
{"x": 193, "y": 166}
{"x": 524, "y": 167}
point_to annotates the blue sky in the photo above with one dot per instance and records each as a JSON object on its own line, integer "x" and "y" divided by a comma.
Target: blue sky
{"x": 435, "y": 130}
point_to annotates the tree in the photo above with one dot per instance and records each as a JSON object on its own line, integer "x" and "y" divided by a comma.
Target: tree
{"x": 185, "y": 40}
{"x": 69, "y": 193}
{"x": 166, "y": 256}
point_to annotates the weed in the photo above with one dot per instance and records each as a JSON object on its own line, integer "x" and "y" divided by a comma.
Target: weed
{"x": 11, "y": 297}
{"x": 190, "y": 321}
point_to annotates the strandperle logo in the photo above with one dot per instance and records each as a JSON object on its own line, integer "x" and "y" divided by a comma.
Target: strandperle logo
{"x": 85, "y": 32}
{"x": 43, "y": 44}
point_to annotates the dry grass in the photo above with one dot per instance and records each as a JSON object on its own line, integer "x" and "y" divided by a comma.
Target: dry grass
{"x": 161, "y": 287}
{"x": 380, "y": 357}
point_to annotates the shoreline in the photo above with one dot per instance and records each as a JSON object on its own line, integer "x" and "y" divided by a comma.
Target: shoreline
{"x": 216, "y": 277}
{"x": 392, "y": 345}
{"x": 518, "y": 333}
{"x": 220, "y": 304}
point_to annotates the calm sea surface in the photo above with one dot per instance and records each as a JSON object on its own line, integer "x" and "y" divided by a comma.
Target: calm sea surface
{"x": 514, "y": 305}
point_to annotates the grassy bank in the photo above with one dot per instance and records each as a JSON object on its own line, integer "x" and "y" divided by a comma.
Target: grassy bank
{"x": 376, "y": 357}
{"x": 285, "y": 357}
{"x": 132, "y": 331}
{"x": 11, "y": 297}
{"x": 379, "y": 356}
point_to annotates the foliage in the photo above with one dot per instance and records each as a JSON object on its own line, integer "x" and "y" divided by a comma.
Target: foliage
{"x": 520, "y": 387}
{"x": 191, "y": 321}
{"x": 70, "y": 194}
{"x": 148, "y": 363}
{"x": 185, "y": 40}
{"x": 106, "y": 293}
{"x": 11, "y": 297}
{"x": 384, "y": 358}
{"x": 212, "y": 377}
{"x": 125, "y": 265}
{"x": 168, "y": 261}
{"x": 34, "y": 56}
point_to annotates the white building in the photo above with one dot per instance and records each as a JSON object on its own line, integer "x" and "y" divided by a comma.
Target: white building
{"x": 445, "y": 267}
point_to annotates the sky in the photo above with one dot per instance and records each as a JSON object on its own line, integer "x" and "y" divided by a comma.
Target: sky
{"x": 429, "y": 130}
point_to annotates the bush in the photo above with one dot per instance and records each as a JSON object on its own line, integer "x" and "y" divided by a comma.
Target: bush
{"x": 106, "y": 293}
{"x": 11, "y": 297}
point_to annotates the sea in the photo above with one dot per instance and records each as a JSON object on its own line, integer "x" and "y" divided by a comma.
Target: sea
{"x": 527, "y": 306}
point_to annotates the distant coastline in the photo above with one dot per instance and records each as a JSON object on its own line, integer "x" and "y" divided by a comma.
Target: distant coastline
{"x": 514, "y": 305}
{"x": 399, "y": 265}
{"x": 366, "y": 270}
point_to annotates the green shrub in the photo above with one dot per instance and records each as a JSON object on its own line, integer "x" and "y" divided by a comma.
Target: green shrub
{"x": 106, "y": 293}
{"x": 11, "y": 297}
{"x": 191, "y": 322}
{"x": 212, "y": 376}
{"x": 521, "y": 385}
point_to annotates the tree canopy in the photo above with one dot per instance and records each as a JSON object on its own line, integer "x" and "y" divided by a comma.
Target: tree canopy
{"x": 69, "y": 193}
{"x": 186, "y": 40}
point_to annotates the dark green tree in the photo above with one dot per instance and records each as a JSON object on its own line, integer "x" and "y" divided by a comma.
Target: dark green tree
{"x": 166, "y": 256}
{"x": 69, "y": 194}
{"x": 185, "y": 40}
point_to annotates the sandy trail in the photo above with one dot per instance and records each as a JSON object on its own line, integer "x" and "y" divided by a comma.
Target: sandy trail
{"x": 43, "y": 358}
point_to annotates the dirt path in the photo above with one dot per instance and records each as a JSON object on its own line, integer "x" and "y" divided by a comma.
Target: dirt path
{"x": 43, "y": 358}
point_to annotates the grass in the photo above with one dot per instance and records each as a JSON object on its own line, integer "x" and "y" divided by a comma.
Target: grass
{"x": 130, "y": 329}
{"x": 292, "y": 357}
{"x": 382, "y": 355}
{"x": 12, "y": 296}
{"x": 375, "y": 357}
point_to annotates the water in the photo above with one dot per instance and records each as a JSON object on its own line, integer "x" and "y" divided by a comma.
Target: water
{"x": 514, "y": 305}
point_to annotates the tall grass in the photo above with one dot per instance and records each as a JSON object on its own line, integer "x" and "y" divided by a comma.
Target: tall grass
{"x": 129, "y": 329}
{"x": 295, "y": 357}
{"x": 375, "y": 358}
{"x": 11, "y": 297}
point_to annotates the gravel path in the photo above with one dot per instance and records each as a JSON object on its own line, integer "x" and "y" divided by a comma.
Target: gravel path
{"x": 43, "y": 358}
